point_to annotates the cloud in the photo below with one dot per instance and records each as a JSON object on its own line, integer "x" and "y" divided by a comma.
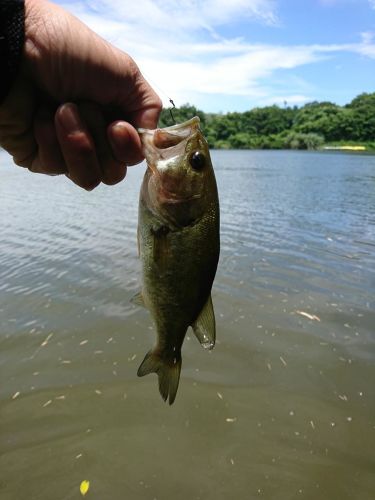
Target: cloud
{"x": 193, "y": 14}
{"x": 178, "y": 47}
{"x": 367, "y": 46}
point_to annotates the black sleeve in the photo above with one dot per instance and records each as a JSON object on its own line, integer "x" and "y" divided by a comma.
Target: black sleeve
{"x": 12, "y": 36}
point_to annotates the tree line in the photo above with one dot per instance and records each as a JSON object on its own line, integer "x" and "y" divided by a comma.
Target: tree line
{"x": 273, "y": 127}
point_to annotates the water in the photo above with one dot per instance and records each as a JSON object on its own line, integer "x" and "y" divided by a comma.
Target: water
{"x": 282, "y": 408}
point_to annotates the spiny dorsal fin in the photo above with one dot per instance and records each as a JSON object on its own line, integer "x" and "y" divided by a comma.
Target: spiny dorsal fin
{"x": 204, "y": 326}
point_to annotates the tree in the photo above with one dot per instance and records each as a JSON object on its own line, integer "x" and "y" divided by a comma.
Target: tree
{"x": 274, "y": 127}
{"x": 363, "y": 110}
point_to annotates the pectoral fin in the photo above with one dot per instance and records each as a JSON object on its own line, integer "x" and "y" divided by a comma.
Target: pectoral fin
{"x": 204, "y": 326}
{"x": 161, "y": 245}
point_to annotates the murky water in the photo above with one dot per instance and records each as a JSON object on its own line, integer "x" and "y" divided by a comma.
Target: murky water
{"x": 283, "y": 408}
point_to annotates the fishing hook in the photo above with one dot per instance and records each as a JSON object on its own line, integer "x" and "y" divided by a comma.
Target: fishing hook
{"x": 170, "y": 109}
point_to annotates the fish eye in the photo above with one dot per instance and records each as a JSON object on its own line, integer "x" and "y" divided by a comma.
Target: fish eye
{"x": 197, "y": 160}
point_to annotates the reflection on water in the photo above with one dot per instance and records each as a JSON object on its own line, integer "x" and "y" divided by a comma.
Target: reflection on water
{"x": 283, "y": 407}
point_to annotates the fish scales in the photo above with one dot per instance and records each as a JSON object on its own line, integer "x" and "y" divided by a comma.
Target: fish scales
{"x": 178, "y": 238}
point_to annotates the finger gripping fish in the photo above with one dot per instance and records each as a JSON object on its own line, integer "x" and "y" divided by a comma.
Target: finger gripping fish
{"x": 178, "y": 242}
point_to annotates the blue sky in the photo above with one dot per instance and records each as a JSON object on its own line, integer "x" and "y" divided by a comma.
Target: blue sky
{"x": 223, "y": 55}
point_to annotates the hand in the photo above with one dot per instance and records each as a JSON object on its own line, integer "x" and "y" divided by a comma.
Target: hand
{"x": 76, "y": 103}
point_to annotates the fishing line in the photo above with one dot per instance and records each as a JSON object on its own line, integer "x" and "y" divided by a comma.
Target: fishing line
{"x": 150, "y": 80}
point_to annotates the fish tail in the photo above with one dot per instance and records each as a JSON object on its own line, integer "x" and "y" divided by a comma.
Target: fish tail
{"x": 168, "y": 370}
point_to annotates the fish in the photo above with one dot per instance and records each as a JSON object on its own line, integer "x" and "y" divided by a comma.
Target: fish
{"x": 178, "y": 244}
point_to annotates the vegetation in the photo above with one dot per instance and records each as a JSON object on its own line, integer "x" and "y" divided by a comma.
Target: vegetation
{"x": 310, "y": 127}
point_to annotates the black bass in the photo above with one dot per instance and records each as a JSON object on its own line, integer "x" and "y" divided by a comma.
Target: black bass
{"x": 178, "y": 241}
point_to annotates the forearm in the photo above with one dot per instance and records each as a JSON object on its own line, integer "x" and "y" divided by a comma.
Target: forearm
{"x": 11, "y": 42}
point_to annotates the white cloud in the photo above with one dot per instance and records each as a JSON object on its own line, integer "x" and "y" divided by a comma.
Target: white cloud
{"x": 178, "y": 48}
{"x": 367, "y": 37}
{"x": 367, "y": 46}
{"x": 194, "y": 14}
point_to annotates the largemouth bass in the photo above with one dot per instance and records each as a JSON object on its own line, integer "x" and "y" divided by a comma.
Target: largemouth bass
{"x": 178, "y": 242}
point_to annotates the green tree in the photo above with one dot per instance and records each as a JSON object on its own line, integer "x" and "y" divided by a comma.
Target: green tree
{"x": 291, "y": 127}
{"x": 363, "y": 110}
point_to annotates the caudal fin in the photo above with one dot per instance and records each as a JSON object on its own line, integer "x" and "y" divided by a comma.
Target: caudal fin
{"x": 168, "y": 371}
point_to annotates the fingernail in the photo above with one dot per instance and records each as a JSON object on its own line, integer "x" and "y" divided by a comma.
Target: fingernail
{"x": 69, "y": 118}
{"x": 118, "y": 135}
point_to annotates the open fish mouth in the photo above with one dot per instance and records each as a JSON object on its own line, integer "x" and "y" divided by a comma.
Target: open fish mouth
{"x": 163, "y": 144}
{"x": 179, "y": 132}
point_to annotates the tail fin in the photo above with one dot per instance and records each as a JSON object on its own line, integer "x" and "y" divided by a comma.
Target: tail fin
{"x": 168, "y": 370}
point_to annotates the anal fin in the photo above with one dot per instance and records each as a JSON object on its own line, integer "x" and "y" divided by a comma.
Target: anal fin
{"x": 204, "y": 326}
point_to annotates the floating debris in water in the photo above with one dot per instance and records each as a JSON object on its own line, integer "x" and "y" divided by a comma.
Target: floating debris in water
{"x": 43, "y": 344}
{"x": 343, "y": 397}
{"x": 283, "y": 361}
{"x": 84, "y": 487}
{"x": 307, "y": 315}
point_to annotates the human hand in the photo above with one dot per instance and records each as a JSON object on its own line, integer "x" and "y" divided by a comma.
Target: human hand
{"x": 76, "y": 103}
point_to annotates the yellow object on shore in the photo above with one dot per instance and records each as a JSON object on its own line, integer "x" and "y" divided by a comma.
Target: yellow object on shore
{"x": 346, "y": 148}
{"x": 354, "y": 148}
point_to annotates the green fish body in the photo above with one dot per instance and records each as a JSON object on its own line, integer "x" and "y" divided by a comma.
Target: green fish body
{"x": 178, "y": 239}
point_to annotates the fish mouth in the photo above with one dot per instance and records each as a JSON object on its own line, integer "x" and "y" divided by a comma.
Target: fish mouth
{"x": 162, "y": 141}
{"x": 193, "y": 123}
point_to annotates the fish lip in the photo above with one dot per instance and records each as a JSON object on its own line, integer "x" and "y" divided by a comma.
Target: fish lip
{"x": 189, "y": 123}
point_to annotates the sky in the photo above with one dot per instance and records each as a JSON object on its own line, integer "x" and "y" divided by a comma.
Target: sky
{"x": 234, "y": 55}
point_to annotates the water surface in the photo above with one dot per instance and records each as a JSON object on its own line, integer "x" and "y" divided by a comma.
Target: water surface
{"x": 283, "y": 408}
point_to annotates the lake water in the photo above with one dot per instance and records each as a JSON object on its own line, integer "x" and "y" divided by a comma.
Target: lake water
{"x": 284, "y": 406}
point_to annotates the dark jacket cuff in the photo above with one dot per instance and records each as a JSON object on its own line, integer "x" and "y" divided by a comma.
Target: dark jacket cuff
{"x": 12, "y": 34}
